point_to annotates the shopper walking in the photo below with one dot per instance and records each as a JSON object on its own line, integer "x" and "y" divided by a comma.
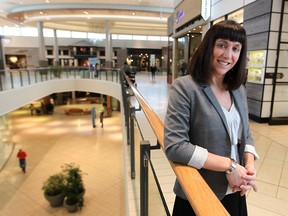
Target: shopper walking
{"x": 32, "y": 108}
{"x": 207, "y": 124}
{"x": 93, "y": 117}
{"x": 101, "y": 118}
{"x": 22, "y": 159}
{"x": 153, "y": 71}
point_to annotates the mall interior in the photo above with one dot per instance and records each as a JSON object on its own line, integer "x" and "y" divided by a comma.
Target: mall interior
{"x": 68, "y": 55}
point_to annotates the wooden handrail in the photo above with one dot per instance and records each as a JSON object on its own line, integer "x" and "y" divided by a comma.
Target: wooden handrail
{"x": 202, "y": 199}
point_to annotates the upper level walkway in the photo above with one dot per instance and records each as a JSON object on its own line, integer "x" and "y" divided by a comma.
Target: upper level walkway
{"x": 51, "y": 141}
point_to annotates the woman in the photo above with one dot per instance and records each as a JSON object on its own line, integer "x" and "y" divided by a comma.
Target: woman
{"x": 207, "y": 124}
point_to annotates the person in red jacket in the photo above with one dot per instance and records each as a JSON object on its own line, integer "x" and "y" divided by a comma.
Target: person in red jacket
{"x": 22, "y": 159}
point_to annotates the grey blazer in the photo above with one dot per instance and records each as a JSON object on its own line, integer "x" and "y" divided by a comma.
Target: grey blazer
{"x": 195, "y": 117}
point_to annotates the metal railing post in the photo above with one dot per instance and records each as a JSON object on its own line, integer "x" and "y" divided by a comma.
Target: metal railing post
{"x": 128, "y": 117}
{"x": 21, "y": 78}
{"x": 35, "y": 75}
{"x": 1, "y": 87}
{"x": 11, "y": 79}
{"x": 144, "y": 162}
{"x": 132, "y": 142}
{"x": 126, "y": 101}
{"x": 29, "y": 79}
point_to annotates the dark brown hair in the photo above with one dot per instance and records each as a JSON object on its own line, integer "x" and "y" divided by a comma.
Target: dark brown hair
{"x": 200, "y": 65}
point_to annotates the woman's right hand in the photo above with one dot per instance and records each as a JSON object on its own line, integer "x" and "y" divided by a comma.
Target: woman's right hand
{"x": 238, "y": 177}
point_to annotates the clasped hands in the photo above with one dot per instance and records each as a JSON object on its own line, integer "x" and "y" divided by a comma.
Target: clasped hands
{"x": 242, "y": 179}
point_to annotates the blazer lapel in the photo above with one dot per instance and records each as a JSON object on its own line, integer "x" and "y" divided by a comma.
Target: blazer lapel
{"x": 241, "y": 108}
{"x": 209, "y": 93}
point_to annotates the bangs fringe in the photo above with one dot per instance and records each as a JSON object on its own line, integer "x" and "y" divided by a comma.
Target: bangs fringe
{"x": 231, "y": 33}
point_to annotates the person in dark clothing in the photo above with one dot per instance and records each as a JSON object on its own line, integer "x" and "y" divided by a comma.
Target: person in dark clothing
{"x": 32, "y": 108}
{"x": 101, "y": 118}
{"x": 126, "y": 68}
{"x": 153, "y": 71}
{"x": 183, "y": 68}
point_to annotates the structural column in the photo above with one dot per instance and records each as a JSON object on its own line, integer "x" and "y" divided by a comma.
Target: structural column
{"x": 108, "y": 45}
{"x": 56, "y": 50}
{"x": 175, "y": 62}
{"x": 42, "y": 59}
{"x": 2, "y": 56}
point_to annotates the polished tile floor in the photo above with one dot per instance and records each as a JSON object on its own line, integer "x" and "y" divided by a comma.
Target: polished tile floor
{"x": 52, "y": 141}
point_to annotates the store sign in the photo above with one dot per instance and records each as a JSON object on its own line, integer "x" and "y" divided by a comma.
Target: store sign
{"x": 206, "y": 9}
{"x": 179, "y": 16}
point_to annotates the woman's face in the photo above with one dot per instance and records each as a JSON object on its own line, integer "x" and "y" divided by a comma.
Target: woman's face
{"x": 225, "y": 55}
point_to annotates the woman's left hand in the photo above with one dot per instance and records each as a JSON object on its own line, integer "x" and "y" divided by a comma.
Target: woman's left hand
{"x": 250, "y": 178}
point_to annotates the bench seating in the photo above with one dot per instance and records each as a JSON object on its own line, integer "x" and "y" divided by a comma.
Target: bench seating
{"x": 77, "y": 111}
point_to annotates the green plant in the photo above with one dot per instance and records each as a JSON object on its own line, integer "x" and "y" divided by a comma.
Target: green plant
{"x": 74, "y": 189}
{"x": 56, "y": 70}
{"x": 54, "y": 185}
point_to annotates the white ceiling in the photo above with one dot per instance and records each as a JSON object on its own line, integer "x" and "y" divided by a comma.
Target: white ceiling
{"x": 128, "y": 17}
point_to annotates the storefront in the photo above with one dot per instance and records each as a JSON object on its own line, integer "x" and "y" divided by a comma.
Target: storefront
{"x": 185, "y": 27}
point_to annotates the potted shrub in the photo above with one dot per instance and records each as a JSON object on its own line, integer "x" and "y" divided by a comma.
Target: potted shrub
{"x": 53, "y": 189}
{"x": 74, "y": 189}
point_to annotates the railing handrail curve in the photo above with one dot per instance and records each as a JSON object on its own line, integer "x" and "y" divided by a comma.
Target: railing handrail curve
{"x": 199, "y": 194}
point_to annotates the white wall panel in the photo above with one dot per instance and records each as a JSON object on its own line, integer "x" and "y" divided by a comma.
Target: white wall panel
{"x": 285, "y": 21}
{"x": 267, "y": 93}
{"x": 265, "y": 109}
{"x": 275, "y": 20}
{"x": 283, "y": 59}
{"x": 225, "y": 7}
{"x": 273, "y": 40}
{"x": 271, "y": 58}
{"x": 281, "y": 93}
{"x": 284, "y": 37}
{"x": 268, "y": 81}
{"x": 280, "y": 109}
{"x": 276, "y": 7}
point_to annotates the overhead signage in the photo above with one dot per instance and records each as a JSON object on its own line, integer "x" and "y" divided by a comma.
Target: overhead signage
{"x": 206, "y": 9}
